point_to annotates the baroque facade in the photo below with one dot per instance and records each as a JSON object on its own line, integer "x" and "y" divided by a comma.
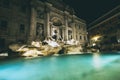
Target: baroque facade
{"x": 106, "y": 28}
{"x": 28, "y": 20}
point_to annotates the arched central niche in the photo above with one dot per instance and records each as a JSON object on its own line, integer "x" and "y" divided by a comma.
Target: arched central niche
{"x": 56, "y": 21}
{"x": 56, "y": 28}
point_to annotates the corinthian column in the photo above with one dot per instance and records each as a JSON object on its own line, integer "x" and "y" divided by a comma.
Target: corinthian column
{"x": 66, "y": 29}
{"x": 32, "y": 33}
{"x": 47, "y": 22}
{"x": 74, "y": 31}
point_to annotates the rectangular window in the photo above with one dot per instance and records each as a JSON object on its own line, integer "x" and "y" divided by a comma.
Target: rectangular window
{"x": 80, "y": 37}
{"x": 85, "y": 38}
{"x": 3, "y": 25}
{"x": 22, "y": 28}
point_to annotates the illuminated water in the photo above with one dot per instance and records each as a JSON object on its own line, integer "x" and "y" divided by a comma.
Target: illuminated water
{"x": 73, "y": 67}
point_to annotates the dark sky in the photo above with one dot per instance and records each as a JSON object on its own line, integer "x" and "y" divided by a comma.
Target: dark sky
{"x": 90, "y": 10}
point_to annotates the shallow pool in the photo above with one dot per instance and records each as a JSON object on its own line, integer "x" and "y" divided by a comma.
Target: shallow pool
{"x": 68, "y": 67}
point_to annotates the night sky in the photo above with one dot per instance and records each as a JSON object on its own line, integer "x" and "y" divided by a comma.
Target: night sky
{"x": 90, "y": 10}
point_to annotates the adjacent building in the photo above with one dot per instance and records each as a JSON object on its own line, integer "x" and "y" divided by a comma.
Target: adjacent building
{"x": 106, "y": 29}
{"x": 28, "y": 20}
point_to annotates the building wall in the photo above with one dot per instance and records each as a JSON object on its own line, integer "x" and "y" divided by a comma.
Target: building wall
{"x": 26, "y": 21}
{"x": 107, "y": 26}
{"x": 70, "y": 23}
{"x": 14, "y": 20}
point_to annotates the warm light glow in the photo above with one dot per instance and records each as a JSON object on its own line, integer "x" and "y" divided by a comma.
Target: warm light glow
{"x": 93, "y": 44}
{"x": 95, "y": 38}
